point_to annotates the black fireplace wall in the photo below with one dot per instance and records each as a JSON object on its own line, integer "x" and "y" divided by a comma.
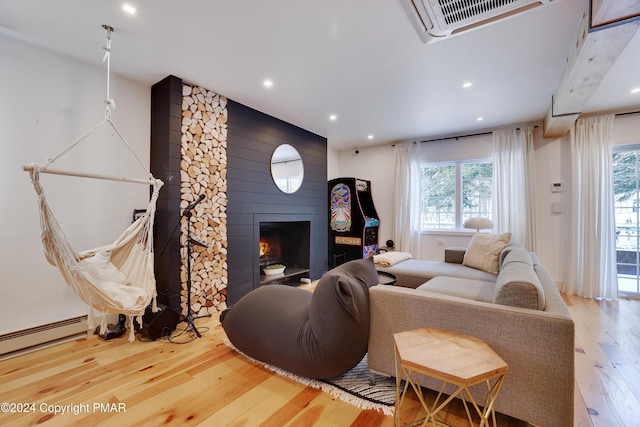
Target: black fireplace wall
{"x": 252, "y": 137}
{"x": 166, "y": 115}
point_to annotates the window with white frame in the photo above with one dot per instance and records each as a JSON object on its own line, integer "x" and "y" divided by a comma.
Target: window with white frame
{"x": 455, "y": 191}
{"x": 626, "y": 190}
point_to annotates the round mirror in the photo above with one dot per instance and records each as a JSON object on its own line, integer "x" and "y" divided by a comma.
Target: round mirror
{"x": 287, "y": 169}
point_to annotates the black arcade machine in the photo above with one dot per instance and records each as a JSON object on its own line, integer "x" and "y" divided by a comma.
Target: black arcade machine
{"x": 353, "y": 221}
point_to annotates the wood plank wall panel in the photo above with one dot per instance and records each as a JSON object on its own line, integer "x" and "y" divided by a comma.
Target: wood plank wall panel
{"x": 252, "y": 137}
{"x": 166, "y": 117}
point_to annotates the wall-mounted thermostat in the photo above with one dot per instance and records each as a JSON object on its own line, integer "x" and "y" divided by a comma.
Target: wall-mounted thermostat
{"x": 556, "y": 187}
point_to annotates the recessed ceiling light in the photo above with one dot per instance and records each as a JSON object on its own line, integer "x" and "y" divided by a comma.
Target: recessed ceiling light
{"x": 479, "y": 119}
{"x": 635, "y": 90}
{"x": 467, "y": 85}
{"x": 129, "y": 9}
{"x": 333, "y": 117}
{"x": 370, "y": 137}
{"x": 267, "y": 83}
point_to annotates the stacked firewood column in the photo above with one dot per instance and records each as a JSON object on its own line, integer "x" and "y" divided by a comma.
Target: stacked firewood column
{"x": 204, "y": 171}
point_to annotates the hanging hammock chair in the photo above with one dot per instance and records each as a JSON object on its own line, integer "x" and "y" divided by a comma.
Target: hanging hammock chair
{"x": 117, "y": 278}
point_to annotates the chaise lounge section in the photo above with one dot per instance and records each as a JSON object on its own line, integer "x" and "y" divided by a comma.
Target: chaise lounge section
{"x": 519, "y": 312}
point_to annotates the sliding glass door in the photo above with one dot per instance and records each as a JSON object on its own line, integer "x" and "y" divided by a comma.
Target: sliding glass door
{"x": 626, "y": 188}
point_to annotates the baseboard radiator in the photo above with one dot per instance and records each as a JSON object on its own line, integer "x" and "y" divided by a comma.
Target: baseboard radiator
{"x": 32, "y": 339}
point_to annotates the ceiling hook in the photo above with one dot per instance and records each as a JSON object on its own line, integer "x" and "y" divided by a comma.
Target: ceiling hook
{"x": 107, "y": 57}
{"x": 109, "y": 29}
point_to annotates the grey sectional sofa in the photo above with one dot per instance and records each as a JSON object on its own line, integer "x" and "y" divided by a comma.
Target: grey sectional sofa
{"x": 518, "y": 312}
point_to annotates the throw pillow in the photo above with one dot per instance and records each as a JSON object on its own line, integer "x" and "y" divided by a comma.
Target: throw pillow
{"x": 484, "y": 250}
{"x": 99, "y": 266}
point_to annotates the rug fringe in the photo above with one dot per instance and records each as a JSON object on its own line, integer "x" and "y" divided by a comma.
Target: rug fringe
{"x": 336, "y": 392}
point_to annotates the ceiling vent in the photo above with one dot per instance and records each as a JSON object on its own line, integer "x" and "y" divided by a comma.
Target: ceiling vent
{"x": 436, "y": 19}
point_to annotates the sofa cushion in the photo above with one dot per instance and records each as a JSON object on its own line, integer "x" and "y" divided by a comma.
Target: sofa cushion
{"x": 477, "y": 290}
{"x": 414, "y": 272}
{"x": 518, "y": 285}
{"x": 484, "y": 251}
{"x": 518, "y": 255}
{"x": 507, "y": 249}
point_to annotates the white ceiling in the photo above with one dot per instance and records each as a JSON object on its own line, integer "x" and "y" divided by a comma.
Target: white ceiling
{"x": 360, "y": 60}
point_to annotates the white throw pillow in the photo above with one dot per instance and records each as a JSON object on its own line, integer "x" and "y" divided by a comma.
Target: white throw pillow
{"x": 484, "y": 250}
{"x": 100, "y": 268}
{"x": 122, "y": 296}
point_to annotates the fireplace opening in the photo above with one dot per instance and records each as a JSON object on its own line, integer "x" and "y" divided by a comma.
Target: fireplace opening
{"x": 286, "y": 243}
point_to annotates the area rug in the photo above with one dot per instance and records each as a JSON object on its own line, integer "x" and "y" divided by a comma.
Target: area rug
{"x": 352, "y": 387}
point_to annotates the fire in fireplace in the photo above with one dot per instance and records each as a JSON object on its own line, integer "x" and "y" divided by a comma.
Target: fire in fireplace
{"x": 270, "y": 247}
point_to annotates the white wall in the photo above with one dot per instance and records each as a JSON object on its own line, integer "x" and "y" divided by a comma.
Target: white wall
{"x": 551, "y": 228}
{"x": 333, "y": 164}
{"x": 47, "y": 102}
{"x": 551, "y": 165}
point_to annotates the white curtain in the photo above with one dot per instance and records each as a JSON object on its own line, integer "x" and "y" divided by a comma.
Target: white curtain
{"x": 513, "y": 185}
{"x": 407, "y": 199}
{"x": 591, "y": 261}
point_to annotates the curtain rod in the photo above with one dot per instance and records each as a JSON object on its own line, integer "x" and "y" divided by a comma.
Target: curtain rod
{"x": 459, "y": 136}
{"x": 456, "y": 137}
{"x": 627, "y": 113}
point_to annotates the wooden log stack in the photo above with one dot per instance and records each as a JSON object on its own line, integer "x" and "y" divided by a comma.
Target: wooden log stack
{"x": 204, "y": 171}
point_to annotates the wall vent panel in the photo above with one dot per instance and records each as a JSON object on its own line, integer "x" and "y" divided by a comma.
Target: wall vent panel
{"x": 436, "y": 19}
{"x": 31, "y": 339}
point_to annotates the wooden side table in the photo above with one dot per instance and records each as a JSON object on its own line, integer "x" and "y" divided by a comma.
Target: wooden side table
{"x": 452, "y": 358}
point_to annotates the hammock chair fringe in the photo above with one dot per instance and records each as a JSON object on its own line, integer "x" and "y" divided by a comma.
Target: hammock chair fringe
{"x": 91, "y": 322}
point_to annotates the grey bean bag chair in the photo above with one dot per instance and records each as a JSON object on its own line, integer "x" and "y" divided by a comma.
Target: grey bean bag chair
{"x": 316, "y": 335}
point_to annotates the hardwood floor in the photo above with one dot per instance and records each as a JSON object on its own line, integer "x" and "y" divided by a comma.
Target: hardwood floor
{"x": 607, "y": 361}
{"x": 204, "y": 382}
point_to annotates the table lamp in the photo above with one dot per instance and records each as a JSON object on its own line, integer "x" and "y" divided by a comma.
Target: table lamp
{"x": 478, "y": 223}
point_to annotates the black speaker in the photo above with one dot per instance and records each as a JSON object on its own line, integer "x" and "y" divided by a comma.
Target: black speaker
{"x": 158, "y": 324}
